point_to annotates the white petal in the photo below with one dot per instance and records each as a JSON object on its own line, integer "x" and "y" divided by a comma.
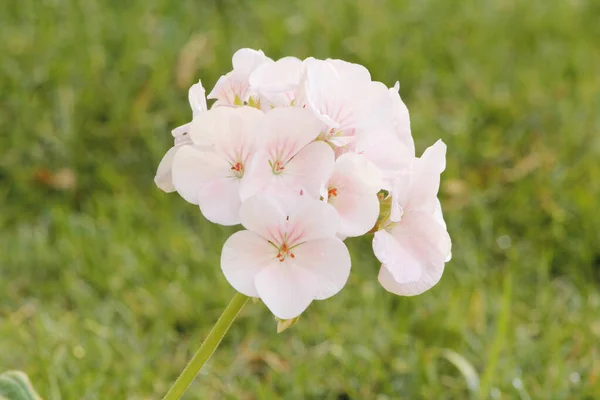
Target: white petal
{"x": 350, "y": 70}
{"x": 219, "y": 201}
{"x": 385, "y": 151}
{"x": 358, "y": 168}
{"x": 264, "y": 216}
{"x": 230, "y": 131}
{"x": 358, "y": 212}
{"x": 287, "y": 130}
{"x": 192, "y": 168}
{"x": 257, "y": 177}
{"x": 423, "y": 236}
{"x": 425, "y": 181}
{"x": 401, "y": 118}
{"x": 286, "y": 289}
{"x": 311, "y": 167}
{"x": 400, "y": 190}
{"x": 246, "y": 60}
{"x": 403, "y": 266}
{"x": 163, "y": 178}
{"x": 281, "y": 76}
{"x": 244, "y": 255}
{"x": 226, "y": 89}
{"x": 197, "y": 98}
{"x": 310, "y": 220}
{"x": 429, "y": 278}
{"x": 329, "y": 261}
{"x": 439, "y": 217}
{"x": 420, "y": 243}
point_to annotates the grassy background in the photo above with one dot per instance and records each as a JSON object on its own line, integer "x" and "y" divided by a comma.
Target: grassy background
{"x": 107, "y": 285}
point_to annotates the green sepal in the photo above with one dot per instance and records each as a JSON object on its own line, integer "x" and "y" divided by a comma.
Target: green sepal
{"x": 283, "y": 324}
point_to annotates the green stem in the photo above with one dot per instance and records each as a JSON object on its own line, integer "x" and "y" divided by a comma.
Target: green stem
{"x": 207, "y": 348}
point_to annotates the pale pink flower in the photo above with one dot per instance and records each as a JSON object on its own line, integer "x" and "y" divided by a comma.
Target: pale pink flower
{"x": 352, "y": 191}
{"x": 209, "y": 172}
{"x": 414, "y": 244}
{"x": 287, "y": 159}
{"x": 276, "y": 84}
{"x": 288, "y": 256}
{"x": 197, "y": 99}
{"x": 232, "y": 89}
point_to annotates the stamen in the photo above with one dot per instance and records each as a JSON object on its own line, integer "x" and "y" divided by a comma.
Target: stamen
{"x": 332, "y": 192}
{"x": 277, "y": 167}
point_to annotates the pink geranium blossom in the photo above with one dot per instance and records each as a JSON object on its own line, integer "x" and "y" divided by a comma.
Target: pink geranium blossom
{"x": 210, "y": 171}
{"x": 288, "y": 256}
{"x": 414, "y": 244}
{"x": 287, "y": 158}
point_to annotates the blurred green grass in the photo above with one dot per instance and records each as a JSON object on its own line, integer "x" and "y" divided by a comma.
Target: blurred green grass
{"x": 108, "y": 285}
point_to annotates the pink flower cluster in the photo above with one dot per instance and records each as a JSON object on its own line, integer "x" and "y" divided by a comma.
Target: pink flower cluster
{"x": 304, "y": 154}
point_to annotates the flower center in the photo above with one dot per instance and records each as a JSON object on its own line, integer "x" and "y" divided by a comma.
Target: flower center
{"x": 238, "y": 169}
{"x": 276, "y": 166}
{"x": 332, "y": 192}
{"x": 284, "y": 252}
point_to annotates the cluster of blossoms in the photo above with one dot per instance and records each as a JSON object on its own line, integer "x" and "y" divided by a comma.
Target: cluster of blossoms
{"x": 304, "y": 154}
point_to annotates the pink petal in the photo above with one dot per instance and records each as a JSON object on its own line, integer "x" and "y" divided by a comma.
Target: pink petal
{"x": 401, "y": 118}
{"x": 226, "y": 89}
{"x": 284, "y": 131}
{"x": 358, "y": 212}
{"x": 445, "y": 245}
{"x": 263, "y": 216}
{"x": 328, "y": 260}
{"x": 219, "y": 201}
{"x": 386, "y": 151}
{"x": 418, "y": 242}
{"x": 197, "y": 98}
{"x": 278, "y": 77}
{"x": 350, "y": 70}
{"x": 258, "y": 175}
{"x": 244, "y": 256}
{"x": 286, "y": 289}
{"x": 356, "y": 170}
{"x": 247, "y": 60}
{"x": 401, "y": 264}
{"x": 422, "y": 235}
{"x": 311, "y": 167}
{"x": 425, "y": 181}
{"x": 192, "y": 168}
{"x": 429, "y": 278}
{"x": 310, "y": 220}
{"x": 163, "y": 178}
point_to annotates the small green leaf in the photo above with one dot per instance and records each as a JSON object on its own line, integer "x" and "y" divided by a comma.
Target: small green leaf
{"x": 15, "y": 385}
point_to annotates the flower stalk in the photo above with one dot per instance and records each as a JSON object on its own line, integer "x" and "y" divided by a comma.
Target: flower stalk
{"x": 208, "y": 347}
